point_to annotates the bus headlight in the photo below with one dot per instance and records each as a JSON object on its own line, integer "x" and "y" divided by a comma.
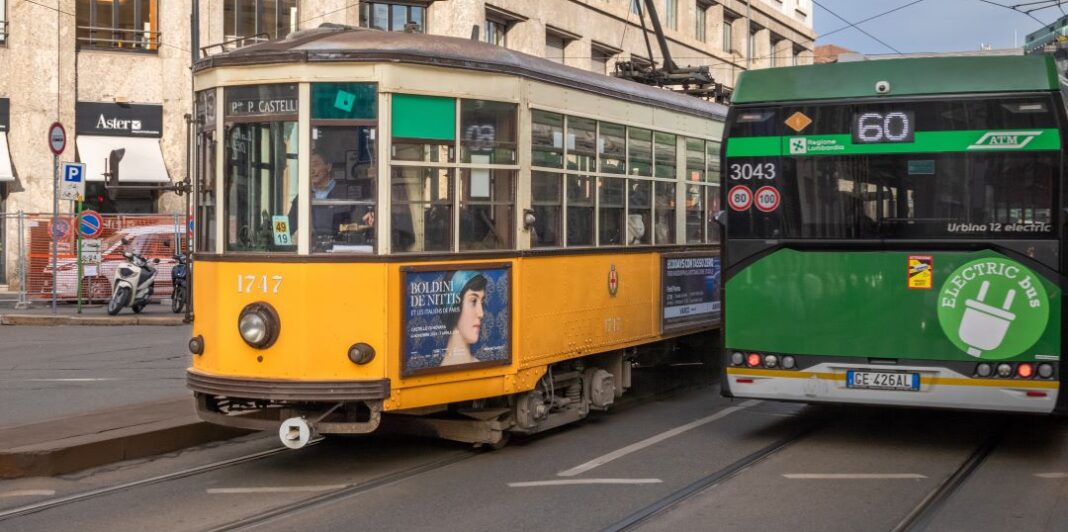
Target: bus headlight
{"x": 258, "y": 325}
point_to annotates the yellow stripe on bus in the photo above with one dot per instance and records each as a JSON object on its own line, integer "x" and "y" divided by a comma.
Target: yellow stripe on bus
{"x": 952, "y": 381}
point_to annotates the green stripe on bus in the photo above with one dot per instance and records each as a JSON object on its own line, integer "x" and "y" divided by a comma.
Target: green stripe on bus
{"x": 924, "y": 142}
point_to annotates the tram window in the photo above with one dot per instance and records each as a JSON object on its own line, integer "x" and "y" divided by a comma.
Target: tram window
{"x": 424, "y": 128}
{"x": 640, "y": 152}
{"x": 712, "y": 200}
{"x": 486, "y": 209}
{"x": 695, "y": 160}
{"x": 664, "y": 155}
{"x": 421, "y": 216}
{"x": 488, "y": 132}
{"x": 712, "y": 150}
{"x": 205, "y": 216}
{"x": 547, "y": 139}
{"x": 343, "y": 185}
{"x": 581, "y": 144}
{"x": 665, "y": 213}
{"x": 612, "y": 148}
{"x": 639, "y": 212}
{"x": 261, "y": 185}
{"x": 580, "y": 210}
{"x": 547, "y": 200}
{"x": 695, "y": 213}
{"x": 611, "y": 211}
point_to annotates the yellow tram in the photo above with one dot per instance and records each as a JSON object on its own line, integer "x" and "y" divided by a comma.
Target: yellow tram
{"x": 411, "y": 224}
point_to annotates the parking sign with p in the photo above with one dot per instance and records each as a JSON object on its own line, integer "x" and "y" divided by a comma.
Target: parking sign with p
{"x": 72, "y": 184}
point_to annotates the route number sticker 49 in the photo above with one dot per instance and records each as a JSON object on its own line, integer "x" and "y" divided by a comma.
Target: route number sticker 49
{"x": 740, "y": 198}
{"x": 767, "y": 199}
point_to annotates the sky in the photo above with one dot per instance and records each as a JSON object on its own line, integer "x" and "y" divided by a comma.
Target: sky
{"x": 928, "y": 26}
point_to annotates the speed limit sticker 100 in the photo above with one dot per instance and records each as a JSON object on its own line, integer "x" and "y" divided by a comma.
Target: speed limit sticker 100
{"x": 767, "y": 199}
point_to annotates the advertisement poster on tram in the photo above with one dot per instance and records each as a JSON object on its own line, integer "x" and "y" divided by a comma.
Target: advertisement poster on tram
{"x": 690, "y": 296}
{"x": 456, "y": 318}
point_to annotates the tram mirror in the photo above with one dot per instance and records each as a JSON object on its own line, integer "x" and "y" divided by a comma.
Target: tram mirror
{"x": 112, "y": 172}
{"x": 720, "y": 218}
{"x": 528, "y": 219}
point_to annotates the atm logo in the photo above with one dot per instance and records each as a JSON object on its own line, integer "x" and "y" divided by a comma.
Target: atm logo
{"x": 1004, "y": 140}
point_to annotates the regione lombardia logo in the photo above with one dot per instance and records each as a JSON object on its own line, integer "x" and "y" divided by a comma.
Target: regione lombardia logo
{"x": 993, "y": 308}
{"x": 798, "y": 146}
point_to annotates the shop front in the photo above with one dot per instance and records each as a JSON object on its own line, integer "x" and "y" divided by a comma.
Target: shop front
{"x": 136, "y": 129}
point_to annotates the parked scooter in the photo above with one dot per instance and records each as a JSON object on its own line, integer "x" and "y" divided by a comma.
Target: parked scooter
{"x": 133, "y": 284}
{"x": 180, "y": 278}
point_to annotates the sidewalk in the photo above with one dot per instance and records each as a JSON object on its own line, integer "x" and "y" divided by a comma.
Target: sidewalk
{"x": 40, "y": 313}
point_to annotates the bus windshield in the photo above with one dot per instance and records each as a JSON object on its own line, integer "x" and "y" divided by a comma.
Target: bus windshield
{"x": 984, "y": 168}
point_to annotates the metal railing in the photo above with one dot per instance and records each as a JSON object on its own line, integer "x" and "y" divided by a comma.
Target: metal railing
{"x": 118, "y": 38}
{"x": 233, "y": 42}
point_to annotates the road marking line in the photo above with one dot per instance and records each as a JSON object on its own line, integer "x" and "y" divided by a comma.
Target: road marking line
{"x": 578, "y": 481}
{"x": 76, "y": 379}
{"x": 28, "y": 493}
{"x": 274, "y": 489}
{"x": 653, "y": 440}
{"x": 1051, "y": 475}
{"x": 852, "y": 476}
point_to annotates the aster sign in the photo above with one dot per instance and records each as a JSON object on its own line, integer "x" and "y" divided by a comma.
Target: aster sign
{"x": 119, "y": 119}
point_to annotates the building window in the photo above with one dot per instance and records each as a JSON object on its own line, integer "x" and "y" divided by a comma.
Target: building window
{"x": 554, "y": 48}
{"x": 701, "y": 21}
{"x": 259, "y": 20}
{"x": 599, "y": 59}
{"x": 3, "y": 21}
{"x": 389, "y": 16}
{"x": 671, "y": 14}
{"x": 129, "y": 25}
{"x": 497, "y": 31}
{"x": 728, "y": 33}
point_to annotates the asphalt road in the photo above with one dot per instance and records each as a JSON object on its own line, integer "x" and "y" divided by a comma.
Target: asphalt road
{"x": 821, "y": 469}
{"x": 48, "y": 372}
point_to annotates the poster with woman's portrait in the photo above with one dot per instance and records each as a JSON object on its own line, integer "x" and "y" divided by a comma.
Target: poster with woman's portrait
{"x": 456, "y": 318}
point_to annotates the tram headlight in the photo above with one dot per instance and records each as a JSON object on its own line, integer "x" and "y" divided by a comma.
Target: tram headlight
{"x": 258, "y": 325}
{"x": 361, "y": 353}
{"x": 1004, "y": 370}
{"x": 737, "y": 358}
{"x": 1045, "y": 370}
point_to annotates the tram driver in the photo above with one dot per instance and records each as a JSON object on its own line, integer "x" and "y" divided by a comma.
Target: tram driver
{"x": 342, "y": 214}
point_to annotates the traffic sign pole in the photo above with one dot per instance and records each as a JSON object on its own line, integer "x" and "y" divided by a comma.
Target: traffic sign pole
{"x": 78, "y": 243}
{"x": 57, "y": 142}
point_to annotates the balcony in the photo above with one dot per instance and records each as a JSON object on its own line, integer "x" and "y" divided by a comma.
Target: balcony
{"x": 127, "y": 40}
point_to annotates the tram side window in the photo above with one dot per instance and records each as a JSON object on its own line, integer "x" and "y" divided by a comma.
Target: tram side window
{"x": 580, "y": 210}
{"x": 548, "y": 200}
{"x": 665, "y": 213}
{"x": 260, "y": 179}
{"x": 581, "y": 144}
{"x": 640, "y": 212}
{"x": 713, "y": 176}
{"x": 488, "y": 132}
{"x": 205, "y": 215}
{"x": 344, "y": 168}
{"x": 421, "y": 215}
{"x": 664, "y": 155}
{"x": 612, "y": 148}
{"x": 640, "y": 155}
{"x": 695, "y": 213}
{"x": 424, "y": 128}
{"x": 547, "y": 139}
{"x": 611, "y": 210}
{"x": 486, "y": 208}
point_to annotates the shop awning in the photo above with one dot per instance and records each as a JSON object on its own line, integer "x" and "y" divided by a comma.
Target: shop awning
{"x": 142, "y": 163}
{"x": 6, "y": 174}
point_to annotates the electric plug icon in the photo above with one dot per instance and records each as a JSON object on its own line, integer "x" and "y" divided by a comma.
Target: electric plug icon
{"x": 983, "y": 327}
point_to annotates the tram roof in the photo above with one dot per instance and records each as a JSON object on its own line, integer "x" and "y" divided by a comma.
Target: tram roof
{"x": 345, "y": 44}
{"x": 907, "y": 77}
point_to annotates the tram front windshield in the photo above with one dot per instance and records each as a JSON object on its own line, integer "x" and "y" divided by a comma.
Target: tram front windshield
{"x": 984, "y": 168}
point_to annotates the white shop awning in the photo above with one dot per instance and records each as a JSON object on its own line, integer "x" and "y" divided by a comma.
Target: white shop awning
{"x": 142, "y": 163}
{"x": 5, "y": 160}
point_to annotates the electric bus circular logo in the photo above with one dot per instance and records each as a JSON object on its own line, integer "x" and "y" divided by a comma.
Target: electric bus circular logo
{"x": 993, "y": 308}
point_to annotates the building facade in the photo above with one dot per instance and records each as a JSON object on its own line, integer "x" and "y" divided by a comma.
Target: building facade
{"x": 116, "y": 73}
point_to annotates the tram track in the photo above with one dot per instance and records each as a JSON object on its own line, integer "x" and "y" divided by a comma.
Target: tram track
{"x": 29, "y": 509}
{"x": 709, "y": 481}
{"x": 925, "y": 511}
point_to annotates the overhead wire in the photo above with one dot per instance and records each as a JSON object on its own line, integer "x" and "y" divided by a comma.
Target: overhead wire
{"x": 839, "y": 17}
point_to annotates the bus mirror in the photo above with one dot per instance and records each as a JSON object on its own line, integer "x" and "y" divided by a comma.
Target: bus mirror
{"x": 720, "y": 218}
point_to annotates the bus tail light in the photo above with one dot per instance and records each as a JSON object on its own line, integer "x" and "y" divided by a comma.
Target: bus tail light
{"x": 983, "y": 370}
{"x": 1025, "y": 371}
{"x": 753, "y": 360}
{"x": 1045, "y": 370}
{"x": 737, "y": 358}
{"x": 788, "y": 362}
{"x": 1004, "y": 370}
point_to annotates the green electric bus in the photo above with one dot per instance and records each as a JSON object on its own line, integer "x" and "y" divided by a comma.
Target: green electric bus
{"x": 895, "y": 234}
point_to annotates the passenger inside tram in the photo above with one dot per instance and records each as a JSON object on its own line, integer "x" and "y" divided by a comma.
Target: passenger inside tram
{"x": 342, "y": 215}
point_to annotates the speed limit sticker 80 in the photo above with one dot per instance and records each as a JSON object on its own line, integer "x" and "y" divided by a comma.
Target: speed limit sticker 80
{"x": 740, "y": 198}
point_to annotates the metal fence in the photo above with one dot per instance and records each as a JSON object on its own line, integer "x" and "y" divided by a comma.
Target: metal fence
{"x": 26, "y": 254}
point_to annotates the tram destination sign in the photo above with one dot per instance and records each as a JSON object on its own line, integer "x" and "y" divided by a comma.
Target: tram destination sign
{"x": 262, "y": 100}
{"x": 690, "y": 297}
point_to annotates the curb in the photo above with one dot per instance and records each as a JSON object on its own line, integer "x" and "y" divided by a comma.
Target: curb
{"x": 51, "y": 320}
{"x": 61, "y": 449}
